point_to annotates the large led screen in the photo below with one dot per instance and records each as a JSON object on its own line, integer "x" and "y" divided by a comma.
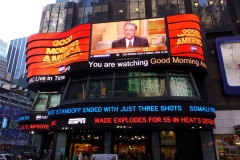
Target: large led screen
{"x": 185, "y": 36}
{"x": 53, "y": 53}
{"x": 129, "y": 38}
{"x": 174, "y": 40}
{"x": 228, "y": 50}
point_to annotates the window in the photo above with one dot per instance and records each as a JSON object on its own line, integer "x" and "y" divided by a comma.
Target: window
{"x": 77, "y": 90}
{"x": 168, "y": 144}
{"x": 181, "y": 85}
{"x": 41, "y": 101}
{"x": 132, "y": 9}
{"x": 214, "y": 14}
{"x": 165, "y": 8}
{"x": 46, "y": 100}
{"x": 127, "y": 87}
{"x": 152, "y": 86}
{"x": 131, "y": 84}
{"x": 100, "y": 88}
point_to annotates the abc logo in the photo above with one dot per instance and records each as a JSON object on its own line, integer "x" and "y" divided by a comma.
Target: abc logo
{"x": 38, "y": 117}
{"x": 193, "y": 48}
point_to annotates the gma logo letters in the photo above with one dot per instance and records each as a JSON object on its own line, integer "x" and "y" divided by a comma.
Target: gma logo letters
{"x": 63, "y": 49}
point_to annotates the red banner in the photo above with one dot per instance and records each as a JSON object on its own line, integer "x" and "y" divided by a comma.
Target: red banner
{"x": 183, "y": 17}
{"x": 49, "y": 53}
{"x": 185, "y": 36}
{"x": 183, "y": 25}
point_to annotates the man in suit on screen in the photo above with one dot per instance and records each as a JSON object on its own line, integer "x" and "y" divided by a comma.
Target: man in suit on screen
{"x": 130, "y": 40}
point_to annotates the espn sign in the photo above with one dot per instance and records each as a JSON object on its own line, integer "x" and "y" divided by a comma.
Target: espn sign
{"x": 77, "y": 121}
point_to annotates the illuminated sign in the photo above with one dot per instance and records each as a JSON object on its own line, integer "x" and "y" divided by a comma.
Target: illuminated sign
{"x": 140, "y": 108}
{"x": 153, "y": 119}
{"x": 50, "y": 56}
{"x": 127, "y": 63}
{"x": 53, "y": 123}
{"x": 149, "y": 38}
{"x": 77, "y": 121}
{"x": 33, "y": 117}
{"x": 23, "y": 118}
{"x": 35, "y": 127}
{"x": 185, "y": 36}
{"x": 40, "y": 117}
{"x": 53, "y": 53}
{"x": 228, "y": 50}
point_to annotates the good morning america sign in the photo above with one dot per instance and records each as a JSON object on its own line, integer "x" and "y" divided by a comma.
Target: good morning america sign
{"x": 134, "y": 109}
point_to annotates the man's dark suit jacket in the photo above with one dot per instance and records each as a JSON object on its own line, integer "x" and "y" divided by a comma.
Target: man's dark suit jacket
{"x": 138, "y": 42}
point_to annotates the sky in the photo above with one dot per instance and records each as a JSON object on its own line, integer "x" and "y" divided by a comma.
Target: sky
{"x": 20, "y": 18}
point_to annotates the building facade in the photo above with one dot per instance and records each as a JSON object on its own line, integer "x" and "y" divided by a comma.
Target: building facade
{"x": 3, "y": 60}
{"x": 3, "y": 66}
{"x": 3, "y": 47}
{"x": 13, "y": 103}
{"x": 16, "y": 55}
{"x": 110, "y": 103}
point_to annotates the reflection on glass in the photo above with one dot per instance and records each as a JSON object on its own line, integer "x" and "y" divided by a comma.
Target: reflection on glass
{"x": 182, "y": 86}
{"x": 100, "y": 88}
{"x": 54, "y": 100}
{"x": 168, "y": 153}
{"x": 41, "y": 103}
{"x": 88, "y": 11}
{"x": 152, "y": 86}
{"x": 126, "y": 87}
{"x": 88, "y": 3}
{"x": 123, "y": 74}
{"x": 168, "y": 138}
{"x": 76, "y": 90}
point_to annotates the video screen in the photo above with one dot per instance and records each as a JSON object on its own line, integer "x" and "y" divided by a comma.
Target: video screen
{"x": 231, "y": 62}
{"x": 129, "y": 38}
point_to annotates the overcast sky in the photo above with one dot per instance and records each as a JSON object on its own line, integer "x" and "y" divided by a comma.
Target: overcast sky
{"x": 20, "y": 18}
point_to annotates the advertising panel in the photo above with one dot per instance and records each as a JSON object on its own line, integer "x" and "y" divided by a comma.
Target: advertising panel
{"x": 111, "y": 45}
{"x": 228, "y": 50}
{"x": 185, "y": 36}
{"x": 136, "y": 109}
{"x": 135, "y": 120}
{"x": 10, "y": 130}
{"x": 129, "y": 38}
{"x": 53, "y": 53}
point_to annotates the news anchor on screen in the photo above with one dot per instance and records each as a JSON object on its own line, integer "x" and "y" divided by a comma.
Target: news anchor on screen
{"x": 130, "y": 40}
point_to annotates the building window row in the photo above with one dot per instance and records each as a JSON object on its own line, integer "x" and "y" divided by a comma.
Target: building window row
{"x": 131, "y": 84}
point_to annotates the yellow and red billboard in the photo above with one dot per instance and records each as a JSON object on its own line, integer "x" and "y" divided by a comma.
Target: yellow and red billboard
{"x": 184, "y": 34}
{"x": 51, "y": 53}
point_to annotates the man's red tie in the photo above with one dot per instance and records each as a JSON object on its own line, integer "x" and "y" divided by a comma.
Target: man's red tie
{"x": 130, "y": 44}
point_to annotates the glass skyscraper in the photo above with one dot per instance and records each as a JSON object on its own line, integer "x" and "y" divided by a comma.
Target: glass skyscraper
{"x": 3, "y": 60}
{"x": 16, "y": 56}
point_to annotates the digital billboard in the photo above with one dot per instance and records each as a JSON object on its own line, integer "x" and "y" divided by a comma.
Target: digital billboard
{"x": 53, "y": 53}
{"x": 185, "y": 36}
{"x": 173, "y": 40}
{"x": 10, "y": 130}
{"x": 81, "y": 121}
{"x": 129, "y": 38}
{"x": 228, "y": 50}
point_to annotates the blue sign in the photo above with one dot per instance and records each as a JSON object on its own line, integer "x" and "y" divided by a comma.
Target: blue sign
{"x": 23, "y": 118}
{"x": 87, "y": 110}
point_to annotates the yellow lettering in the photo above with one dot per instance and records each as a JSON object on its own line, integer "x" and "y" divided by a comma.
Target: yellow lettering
{"x": 189, "y": 40}
{"x": 56, "y": 57}
{"x": 77, "y": 49}
{"x": 46, "y": 58}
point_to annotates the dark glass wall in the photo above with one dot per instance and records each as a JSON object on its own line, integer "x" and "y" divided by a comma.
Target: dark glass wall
{"x": 162, "y": 84}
